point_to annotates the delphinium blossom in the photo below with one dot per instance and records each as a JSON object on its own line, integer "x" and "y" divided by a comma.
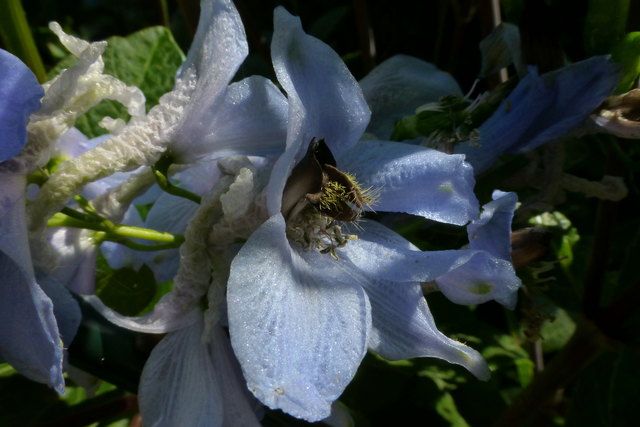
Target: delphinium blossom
{"x": 200, "y": 119}
{"x": 37, "y": 313}
{"x": 481, "y": 279}
{"x": 542, "y": 108}
{"x": 192, "y": 376}
{"x": 316, "y": 285}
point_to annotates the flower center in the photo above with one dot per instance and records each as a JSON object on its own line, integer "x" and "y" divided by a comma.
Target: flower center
{"x": 317, "y": 195}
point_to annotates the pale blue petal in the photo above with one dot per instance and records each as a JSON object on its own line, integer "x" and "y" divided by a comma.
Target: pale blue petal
{"x": 403, "y": 328}
{"x": 20, "y": 95}
{"x": 325, "y": 101}
{"x": 382, "y": 254}
{"x": 542, "y": 109}
{"x": 481, "y": 279}
{"x": 30, "y": 340}
{"x": 171, "y": 214}
{"x": 415, "y": 180}
{"x": 219, "y": 46}
{"x": 239, "y": 405}
{"x": 217, "y": 51}
{"x": 77, "y": 260}
{"x": 250, "y": 120}
{"x": 169, "y": 314}
{"x": 72, "y": 143}
{"x": 65, "y": 308}
{"x": 399, "y": 85}
{"x": 179, "y": 385}
{"x": 298, "y": 323}
{"x": 492, "y": 231}
{"x": 199, "y": 178}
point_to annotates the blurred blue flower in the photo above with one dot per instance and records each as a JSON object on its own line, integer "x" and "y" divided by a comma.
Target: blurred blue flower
{"x": 306, "y": 298}
{"x": 541, "y": 109}
{"x": 37, "y": 318}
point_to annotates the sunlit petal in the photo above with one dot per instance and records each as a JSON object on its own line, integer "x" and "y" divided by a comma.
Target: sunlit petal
{"x": 298, "y": 323}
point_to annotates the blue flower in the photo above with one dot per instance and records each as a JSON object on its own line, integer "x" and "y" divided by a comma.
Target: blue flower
{"x": 306, "y": 296}
{"x": 490, "y": 274}
{"x": 20, "y": 96}
{"x": 541, "y": 109}
{"x": 192, "y": 376}
{"x": 38, "y": 314}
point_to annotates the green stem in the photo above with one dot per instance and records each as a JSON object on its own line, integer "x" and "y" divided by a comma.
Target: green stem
{"x": 146, "y": 234}
{"x": 17, "y": 36}
{"x": 164, "y": 9}
{"x": 79, "y": 215}
{"x": 140, "y": 246}
{"x": 63, "y": 220}
{"x": 118, "y": 232}
{"x": 161, "y": 173}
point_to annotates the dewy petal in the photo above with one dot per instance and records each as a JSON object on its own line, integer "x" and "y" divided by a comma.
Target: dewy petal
{"x": 251, "y": 120}
{"x": 542, "y": 109}
{"x": 169, "y": 314}
{"x": 65, "y": 308}
{"x": 29, "y": 341}
{"x": 172, "y": 214}
{"x": 403, "y": 328}
{"x": 239, "y": 405}
{"x": 399, "y": 85}
{"x": 464, "y": 276}
{"x": 481, "y": 279}
{"x": 77, "y": 252}
{"x": 488, "y": 274}
{"x": 219, "y": 46}
{"x": 382, "y": 254}
{"x": 20, "y": 95}
{"x": 298, "y": 323}
{"x": 414, "y": 179}
{"x": 218, "y": 49}
{"x": 492, "y": 231}
{"x": 178, "y": 385}
{"x": 325, "y": 100}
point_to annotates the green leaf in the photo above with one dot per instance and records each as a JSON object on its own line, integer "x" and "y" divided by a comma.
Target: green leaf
{"x": 525, "y": 369}
{"x": 557, "y": 332}
{"x": 604, "y": 25}
{"x": 126, "y": 290}
{"x": 446, "y": 407}
{"x": 147, "y": 59}
{"x": 627, "y": 53}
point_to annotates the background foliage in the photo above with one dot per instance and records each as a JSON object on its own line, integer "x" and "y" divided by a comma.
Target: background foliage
{"x": 568, "y": 355}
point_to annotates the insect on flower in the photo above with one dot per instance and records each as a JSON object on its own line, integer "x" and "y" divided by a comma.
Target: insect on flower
{"x": 316, "y": 195}
{"x": 315, "y": 181}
